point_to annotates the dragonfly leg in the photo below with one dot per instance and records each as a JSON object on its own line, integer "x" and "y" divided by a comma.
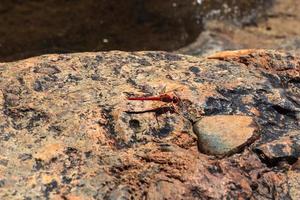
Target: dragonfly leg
{"x": 175, "y": 108}
{"x": 156, "y": 118}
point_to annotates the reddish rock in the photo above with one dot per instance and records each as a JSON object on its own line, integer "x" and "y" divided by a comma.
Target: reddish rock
{"x": 286, "y": 148}
{"x": 294, "y": 184}
{"x": 65, "y": 132}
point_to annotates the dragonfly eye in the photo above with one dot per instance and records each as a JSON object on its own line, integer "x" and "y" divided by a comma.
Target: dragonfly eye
{"x": 175, "y": 99}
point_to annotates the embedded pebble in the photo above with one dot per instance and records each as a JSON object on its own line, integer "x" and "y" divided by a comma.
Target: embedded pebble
{"x": 224, "y": 134}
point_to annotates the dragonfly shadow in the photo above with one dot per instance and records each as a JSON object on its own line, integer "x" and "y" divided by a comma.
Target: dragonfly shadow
{"x": 157, "y": 111}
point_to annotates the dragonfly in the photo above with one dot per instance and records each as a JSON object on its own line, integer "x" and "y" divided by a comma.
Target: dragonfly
{"x": 173, "y": 104}
{"x": 167, "y": 98}
{"x": 171, "y": 99}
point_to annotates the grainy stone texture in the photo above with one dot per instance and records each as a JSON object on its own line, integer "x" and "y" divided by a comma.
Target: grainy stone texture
{"x": 286, "y": 147}
{"x": 64, "y": 133}
{"x": 294, "y": 184}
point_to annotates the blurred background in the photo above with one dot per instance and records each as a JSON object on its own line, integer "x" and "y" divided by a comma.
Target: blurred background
{"x": 196, "y": 27}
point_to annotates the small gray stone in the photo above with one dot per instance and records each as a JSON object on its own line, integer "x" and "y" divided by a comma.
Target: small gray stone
{"x": 224, "y": 134}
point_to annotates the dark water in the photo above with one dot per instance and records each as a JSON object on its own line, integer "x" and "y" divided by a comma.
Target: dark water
{"x": 33, "y": 27}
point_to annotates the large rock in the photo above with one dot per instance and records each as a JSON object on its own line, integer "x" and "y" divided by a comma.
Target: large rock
{"x": 64, "y": 132}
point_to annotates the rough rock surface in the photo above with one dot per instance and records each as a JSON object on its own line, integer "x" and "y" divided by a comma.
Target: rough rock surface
{"x": 286, "y": 147}
{"x": 64, "y": 133}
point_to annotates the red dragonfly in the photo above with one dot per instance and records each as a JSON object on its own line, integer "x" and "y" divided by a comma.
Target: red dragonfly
{"x": 170, "y": 97}
{"x": 179, "y": 106}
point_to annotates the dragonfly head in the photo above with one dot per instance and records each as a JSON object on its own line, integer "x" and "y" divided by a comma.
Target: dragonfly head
{"x": 170, "y": 98}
